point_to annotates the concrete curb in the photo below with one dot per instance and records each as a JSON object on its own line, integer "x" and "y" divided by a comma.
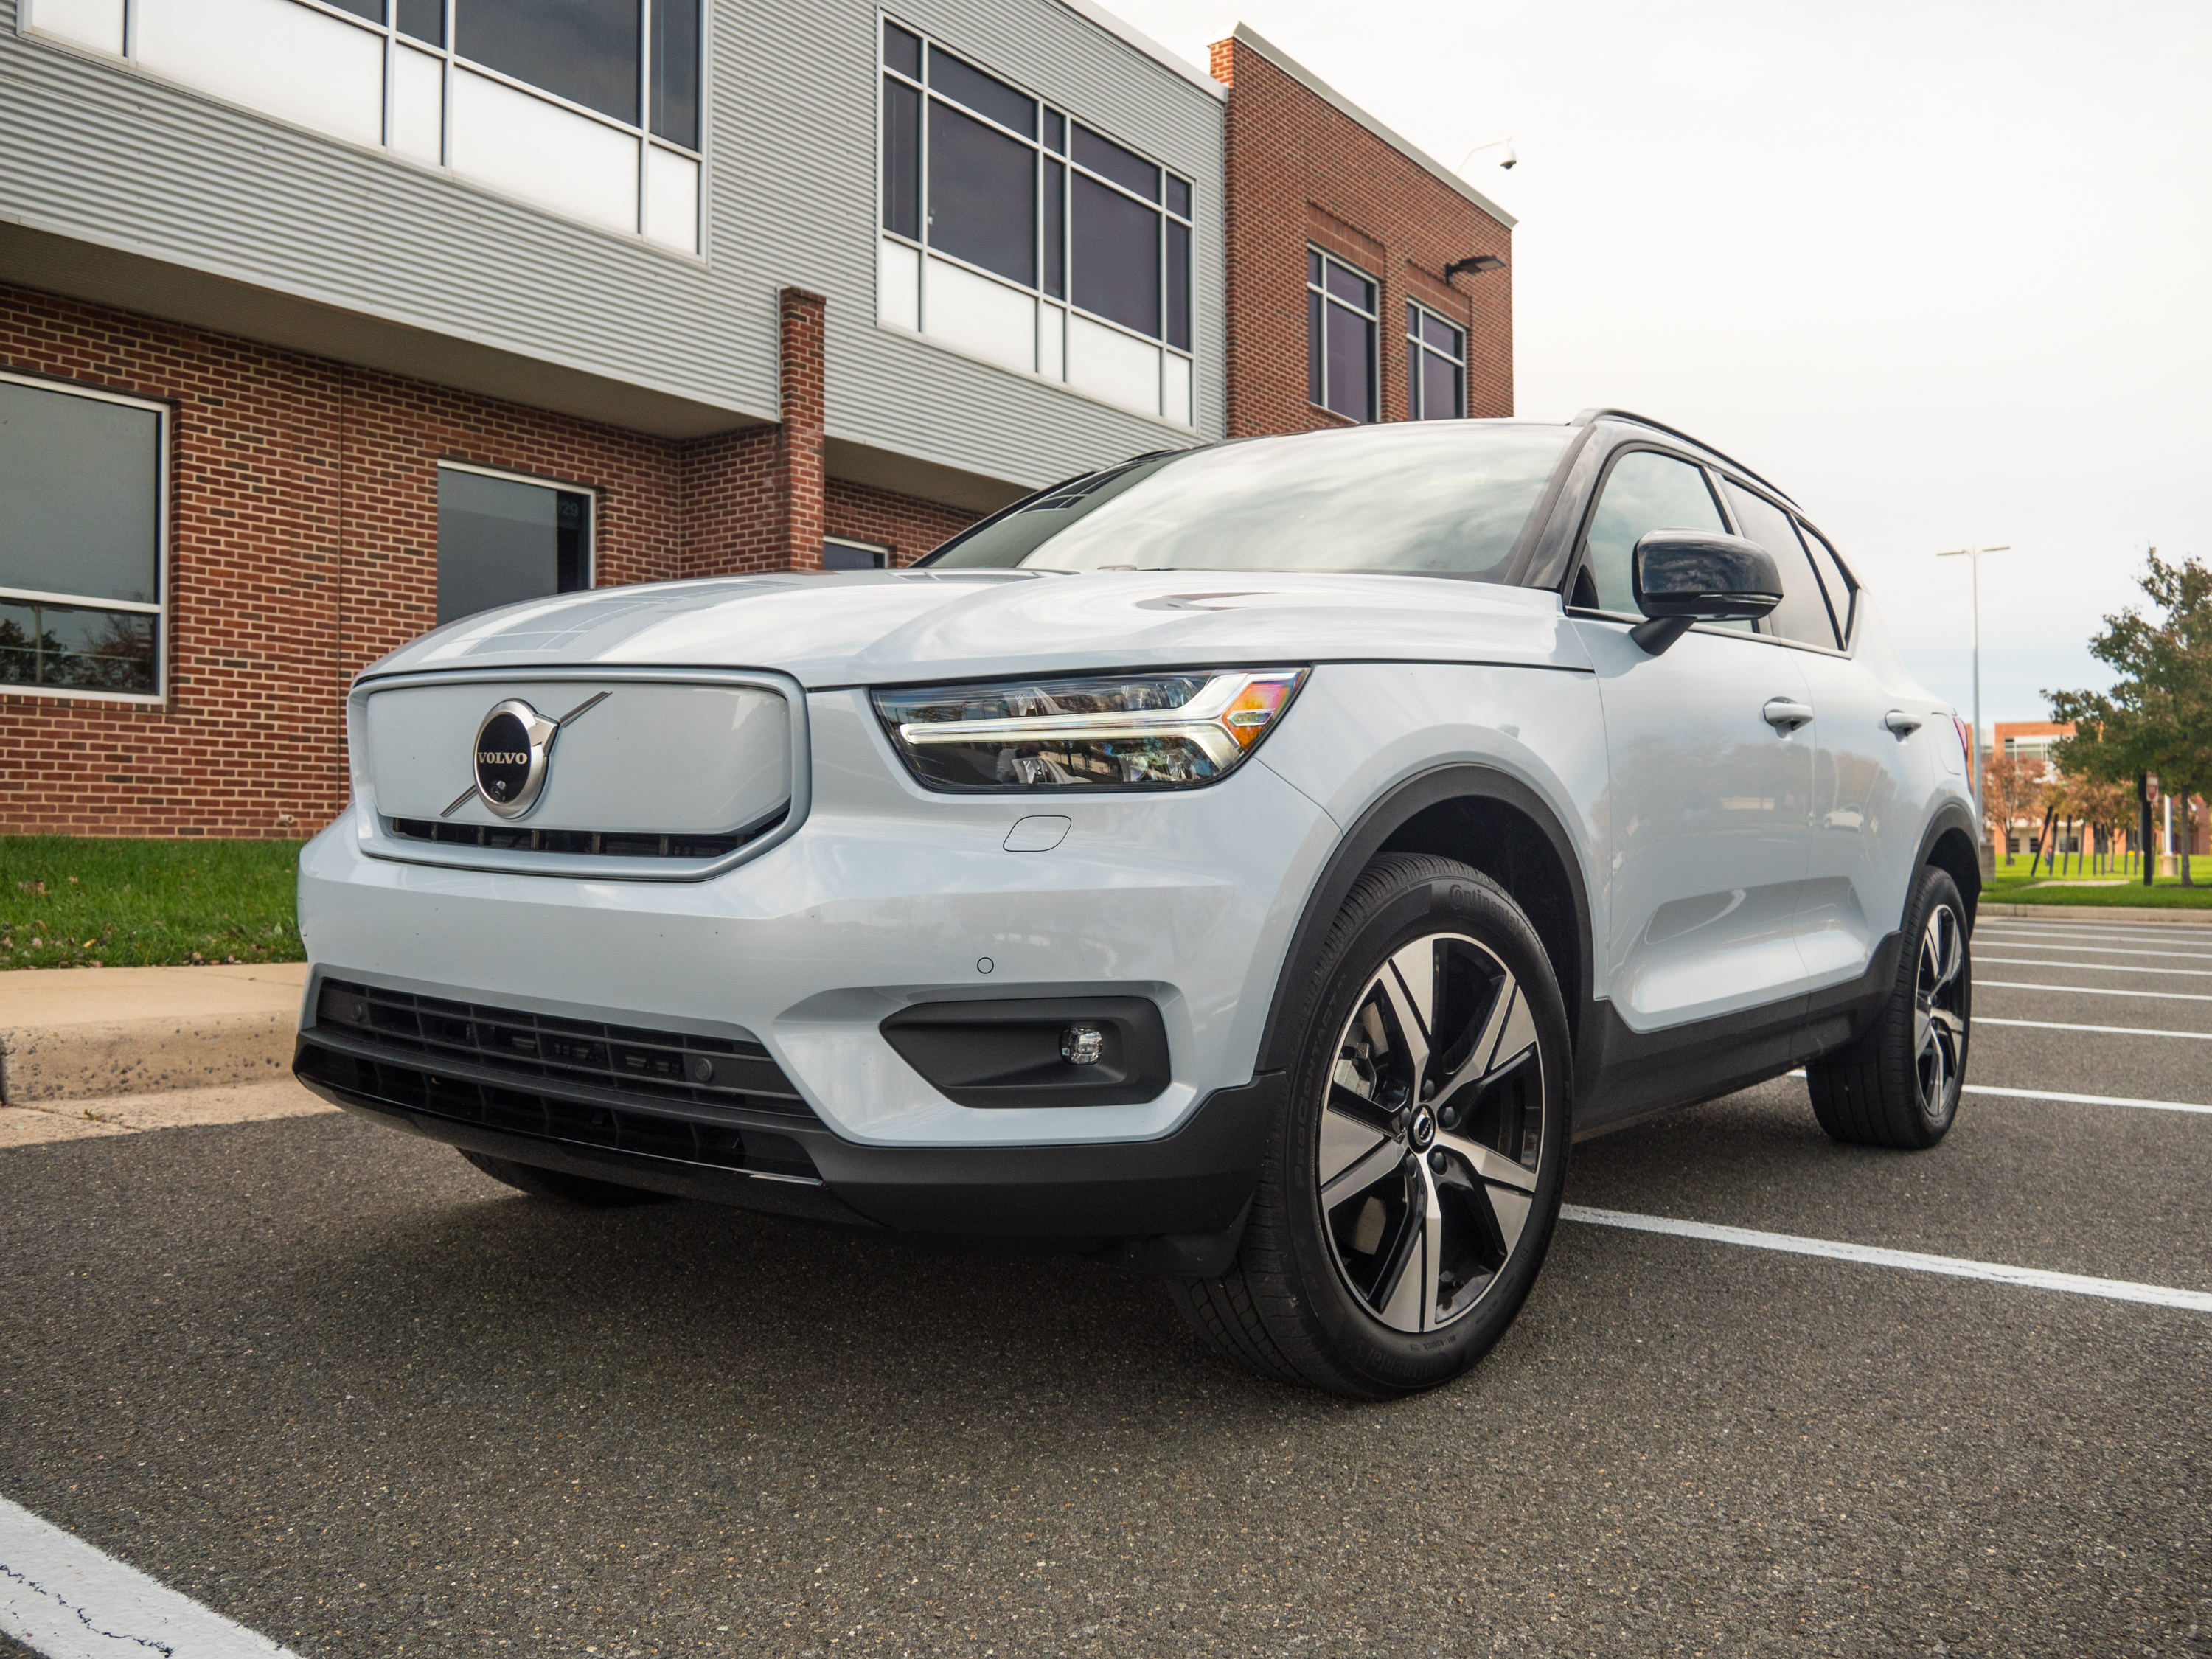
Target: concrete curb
{"x": 84, "y": 1060}
{"x": 2095, "y": 913}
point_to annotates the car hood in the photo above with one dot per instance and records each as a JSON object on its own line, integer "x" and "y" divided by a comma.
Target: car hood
{"x": 870, "y": 627}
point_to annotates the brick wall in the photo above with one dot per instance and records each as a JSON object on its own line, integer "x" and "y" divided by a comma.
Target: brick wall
{"x": 303, "y": 546}
{"x": 1300, "y": 171}
{"x": 909, "y": 526}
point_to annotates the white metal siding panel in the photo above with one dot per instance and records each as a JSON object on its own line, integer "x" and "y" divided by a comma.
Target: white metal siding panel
{"x": 92, "y": 151}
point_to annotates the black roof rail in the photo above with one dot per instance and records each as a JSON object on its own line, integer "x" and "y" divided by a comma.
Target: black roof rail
{"x": 1589, "y": 415}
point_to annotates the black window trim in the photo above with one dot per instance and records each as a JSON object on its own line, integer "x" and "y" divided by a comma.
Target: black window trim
{"x": 1714, "y": 476}
{"x": 164, "y": 414}
{"x": 1580, "y": 557}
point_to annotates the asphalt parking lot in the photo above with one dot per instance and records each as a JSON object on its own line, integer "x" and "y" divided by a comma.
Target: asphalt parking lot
{"x": 337, "y": 1386}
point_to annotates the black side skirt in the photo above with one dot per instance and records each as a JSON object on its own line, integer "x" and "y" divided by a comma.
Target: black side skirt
{"x": 1627, "y": 1074}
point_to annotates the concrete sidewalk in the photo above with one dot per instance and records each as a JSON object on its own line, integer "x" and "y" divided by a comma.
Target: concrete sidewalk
{"x": 81, "y": 1119}
{"x": 2130, "y": 913}
{"x": 84, "y": 1033}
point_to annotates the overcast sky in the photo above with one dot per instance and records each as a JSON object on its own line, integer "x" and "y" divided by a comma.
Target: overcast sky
{"x": 1943, "y": 270}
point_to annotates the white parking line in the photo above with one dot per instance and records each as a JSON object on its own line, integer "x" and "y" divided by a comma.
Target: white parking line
{"x": 2118, "y": 1290}
{"x": 2094, "y": 967}
{"x": 2088, "y": 1100}
{"x": 2112, "y": 1030}
{"x": 2062, "y": 942}
{"x": 2079, "y": 1100}
{"x": 2093, "y": 990}
{"x": 65, "y": 1599}
{"x": 2089, "y": 941}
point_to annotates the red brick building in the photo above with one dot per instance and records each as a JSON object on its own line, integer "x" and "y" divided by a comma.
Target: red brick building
{"x": 310, "y": 449}
{"x": 1308, "y": 171}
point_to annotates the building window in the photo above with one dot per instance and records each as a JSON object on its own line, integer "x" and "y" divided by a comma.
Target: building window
{"x": 1436, "y": 367}
{"x": 1016, "y": 233}
{"x": 590, "y": 107}
{"x": 83, "y": 541}
{"x": 502, "y": 540}
{"x": 1340, "y": 333}
{"x": 840, "y": 553}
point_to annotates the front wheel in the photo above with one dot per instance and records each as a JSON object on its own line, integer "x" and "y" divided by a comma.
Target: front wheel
{"x": 1899, "y": 1085}
{"x": 1409, "y": 1191}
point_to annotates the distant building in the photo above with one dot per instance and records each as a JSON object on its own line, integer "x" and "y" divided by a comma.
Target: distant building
{"x": 322, "y": 321}
{"x": 2030, "y": 740}
{"x": 2036, "y": 741}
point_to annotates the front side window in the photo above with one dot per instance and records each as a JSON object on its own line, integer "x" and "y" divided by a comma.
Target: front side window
{"x": 1444, "y": 500}
{"x": 590, "y": 107}
{"x": 1341, "y": 318}
{"x": 1436, "y": 367}
{"x": 1645, "y": 491}
{"x": 82, "y": 487}
{"x": 504, "y": 540}
{"x": 1014, "y": 231}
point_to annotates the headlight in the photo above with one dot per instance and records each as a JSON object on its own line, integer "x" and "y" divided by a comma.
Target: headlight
{"x": 1099, "y": 731}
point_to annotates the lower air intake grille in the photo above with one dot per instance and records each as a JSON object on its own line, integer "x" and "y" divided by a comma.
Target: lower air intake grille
{"x": 597, "y": 843}
{"x": 553, "y": 1117}
{"x": 646, "y": 1065}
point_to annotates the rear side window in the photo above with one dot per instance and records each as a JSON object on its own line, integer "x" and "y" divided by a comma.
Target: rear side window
{"x": 1645, "y": 491}
{"x": 1803, "y": 613}
{"x": 1833, "y": 577}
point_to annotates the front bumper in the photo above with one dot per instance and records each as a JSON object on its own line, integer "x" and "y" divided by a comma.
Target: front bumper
{"x": 885, "y": 897}
{"x": 1172, "y": 1205}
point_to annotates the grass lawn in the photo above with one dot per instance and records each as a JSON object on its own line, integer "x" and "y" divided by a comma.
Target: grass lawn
{"x": 2014, "y": 884}
{"x": 70, "y": 901}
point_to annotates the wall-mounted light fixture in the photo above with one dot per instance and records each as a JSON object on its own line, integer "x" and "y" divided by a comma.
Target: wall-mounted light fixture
{"x": 1476, "y": 263}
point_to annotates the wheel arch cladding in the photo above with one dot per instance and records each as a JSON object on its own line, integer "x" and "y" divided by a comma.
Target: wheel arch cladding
{"x": 1950, "y": 846}
{"x": 1483, "y": 818}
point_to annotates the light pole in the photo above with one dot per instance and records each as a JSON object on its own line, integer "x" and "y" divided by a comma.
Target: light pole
{"x": 1973, "y": 558}
{"x": 1509, "y": 161}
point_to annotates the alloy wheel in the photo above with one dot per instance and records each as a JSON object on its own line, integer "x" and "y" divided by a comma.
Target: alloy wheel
{"x": 1432, "y": 1132}
{"x": 1938, "y": 1022}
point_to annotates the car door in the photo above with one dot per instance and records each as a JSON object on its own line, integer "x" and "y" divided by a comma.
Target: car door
{"x": 1871, "y": 780}
{"x": 1708, "y": 800}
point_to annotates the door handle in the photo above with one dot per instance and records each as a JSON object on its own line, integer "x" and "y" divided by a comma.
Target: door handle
{"x": 1902, "y": 724}
{"x": 1786, "y": 715}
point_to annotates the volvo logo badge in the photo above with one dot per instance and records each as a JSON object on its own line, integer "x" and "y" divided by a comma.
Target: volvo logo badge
{"x": 513, "y": 746}
{"x": 514, "y": 750}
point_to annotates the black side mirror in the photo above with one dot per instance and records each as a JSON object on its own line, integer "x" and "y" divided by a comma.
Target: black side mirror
{"x": 1685, "y": 576}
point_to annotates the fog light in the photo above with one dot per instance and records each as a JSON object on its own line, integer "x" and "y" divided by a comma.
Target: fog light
{"x": 1081, "y": 1045}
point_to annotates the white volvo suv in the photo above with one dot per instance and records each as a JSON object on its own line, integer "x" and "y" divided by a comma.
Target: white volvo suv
{"x": 1252, "y": 865}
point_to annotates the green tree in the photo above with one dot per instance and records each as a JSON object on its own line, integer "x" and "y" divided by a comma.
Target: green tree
{"x": 2158, "y": 715}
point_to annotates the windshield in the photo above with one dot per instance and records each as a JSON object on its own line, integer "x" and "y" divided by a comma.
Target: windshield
{"x": 1443, "y": 499}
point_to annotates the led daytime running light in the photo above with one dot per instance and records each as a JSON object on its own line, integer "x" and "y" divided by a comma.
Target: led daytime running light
{"x": 1228, "y": 716}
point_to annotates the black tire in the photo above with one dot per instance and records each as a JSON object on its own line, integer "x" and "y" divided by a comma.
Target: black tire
{"x": 558, "y": 1185}
{"x": 1319, "y": 1293}
{"x": 1899, "y": 1085}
